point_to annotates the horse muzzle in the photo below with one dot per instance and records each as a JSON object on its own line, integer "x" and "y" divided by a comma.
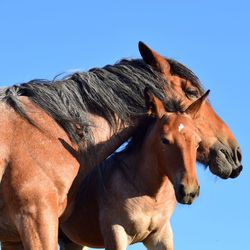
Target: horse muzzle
{"x": 225, "y": 162}
{"x": 186, "y": 194}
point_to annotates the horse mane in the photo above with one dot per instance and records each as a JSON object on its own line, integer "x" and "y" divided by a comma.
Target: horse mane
{"x": 114, "y": 91}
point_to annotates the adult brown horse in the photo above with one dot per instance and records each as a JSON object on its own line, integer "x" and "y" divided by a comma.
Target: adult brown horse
{"x": 131, "y": 196}
{"x": 39, "y": 143}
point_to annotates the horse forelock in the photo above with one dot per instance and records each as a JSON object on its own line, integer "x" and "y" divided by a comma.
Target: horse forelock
{"x": 112, "y": 91}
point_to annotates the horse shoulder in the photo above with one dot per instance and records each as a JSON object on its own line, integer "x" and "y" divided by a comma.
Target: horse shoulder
{"x": 39, "y": 157}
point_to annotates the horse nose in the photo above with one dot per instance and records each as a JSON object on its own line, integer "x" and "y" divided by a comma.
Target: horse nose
{"x": 186, "y": 195}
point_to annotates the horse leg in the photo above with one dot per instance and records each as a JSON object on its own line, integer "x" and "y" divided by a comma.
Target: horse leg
{"x": 115, "y": 237}
{"x": 34, "y": 210}
{"x": 11, "y": 245}
{"x": 160, "y": 240}
{"x": 39, "y": 230}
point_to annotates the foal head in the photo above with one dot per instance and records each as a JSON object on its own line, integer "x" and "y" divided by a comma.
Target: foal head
{"x": 174, "y": 140}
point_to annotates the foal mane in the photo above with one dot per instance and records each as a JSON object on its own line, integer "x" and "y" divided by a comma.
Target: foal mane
{"x": 114, "y": 91}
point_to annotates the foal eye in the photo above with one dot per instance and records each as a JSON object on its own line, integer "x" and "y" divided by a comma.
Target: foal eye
{"x": 165, "y": 141}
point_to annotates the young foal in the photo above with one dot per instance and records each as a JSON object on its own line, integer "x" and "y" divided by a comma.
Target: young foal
{"x": 132, "y": 195}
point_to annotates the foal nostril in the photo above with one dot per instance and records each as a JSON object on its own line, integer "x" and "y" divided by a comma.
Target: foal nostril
{"x": 182, "y": 190}
{"x": 193, "y": 194}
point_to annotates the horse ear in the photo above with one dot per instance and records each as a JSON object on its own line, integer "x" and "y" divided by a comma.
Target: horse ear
{"x": 154, "y": 106}
{"x": 154, "y": 59}
{"x": 194, "y": 108}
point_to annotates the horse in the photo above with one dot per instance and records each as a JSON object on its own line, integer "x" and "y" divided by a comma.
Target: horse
{"x": 43, "y": 157}
{"x": 131, "y": 196}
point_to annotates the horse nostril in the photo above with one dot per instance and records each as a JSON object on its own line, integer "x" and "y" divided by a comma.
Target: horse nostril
{"x": 236, "y": 172}
{"x": 182, "y": 190}
{"x": 193, "y": 194}
{"x": 238, "y": 154}
{"x": 240, "y": 168}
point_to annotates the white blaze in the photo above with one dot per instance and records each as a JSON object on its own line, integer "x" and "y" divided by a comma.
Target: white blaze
{"x": 181, "y": 126}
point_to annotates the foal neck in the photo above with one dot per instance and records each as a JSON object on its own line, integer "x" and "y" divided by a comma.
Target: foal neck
{"x": 142, "y": 168}
{"x": 153, "y": 180}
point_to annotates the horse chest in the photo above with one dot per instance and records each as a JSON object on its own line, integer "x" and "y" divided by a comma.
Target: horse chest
{"x": 146, "y": 216}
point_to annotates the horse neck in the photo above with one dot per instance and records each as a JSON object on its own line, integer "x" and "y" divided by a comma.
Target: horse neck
{"x": 105, "y": 141}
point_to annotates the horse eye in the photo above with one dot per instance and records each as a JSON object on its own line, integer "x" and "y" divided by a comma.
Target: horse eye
{"x": 192, "y": 93}
{"x": 165, "y": 141}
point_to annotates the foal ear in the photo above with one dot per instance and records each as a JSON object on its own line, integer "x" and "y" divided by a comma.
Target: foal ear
{"x": 194, "y": 108}
{"x": 154, "y": 106}
{"x": 154, "y": 59}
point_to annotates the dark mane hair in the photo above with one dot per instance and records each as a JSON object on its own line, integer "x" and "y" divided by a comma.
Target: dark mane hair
{"x": 112, "y": 91}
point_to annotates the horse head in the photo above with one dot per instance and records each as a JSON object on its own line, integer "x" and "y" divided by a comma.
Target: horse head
{"x": 175, "y": 140}
{"x": 218, "y": 148}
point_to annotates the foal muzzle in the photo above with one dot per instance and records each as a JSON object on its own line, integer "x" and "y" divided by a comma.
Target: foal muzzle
{"x": 186, "y": 194}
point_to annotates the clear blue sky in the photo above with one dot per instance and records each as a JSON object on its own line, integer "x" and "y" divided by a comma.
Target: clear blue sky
{"x": 40, "y": 39}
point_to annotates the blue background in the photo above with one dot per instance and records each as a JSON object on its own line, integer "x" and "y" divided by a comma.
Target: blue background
{"x": 40, "y": 39}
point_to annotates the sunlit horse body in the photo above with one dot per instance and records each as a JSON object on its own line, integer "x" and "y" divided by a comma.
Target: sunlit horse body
{"x": 39, "y": 151}
{"x": 131, "y": 196}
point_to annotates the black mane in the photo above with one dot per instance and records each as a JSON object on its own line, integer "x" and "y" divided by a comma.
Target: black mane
{"x": 112, "y": 91}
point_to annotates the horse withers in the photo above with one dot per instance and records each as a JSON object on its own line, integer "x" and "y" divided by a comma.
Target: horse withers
{"x": 131, "y": 196}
